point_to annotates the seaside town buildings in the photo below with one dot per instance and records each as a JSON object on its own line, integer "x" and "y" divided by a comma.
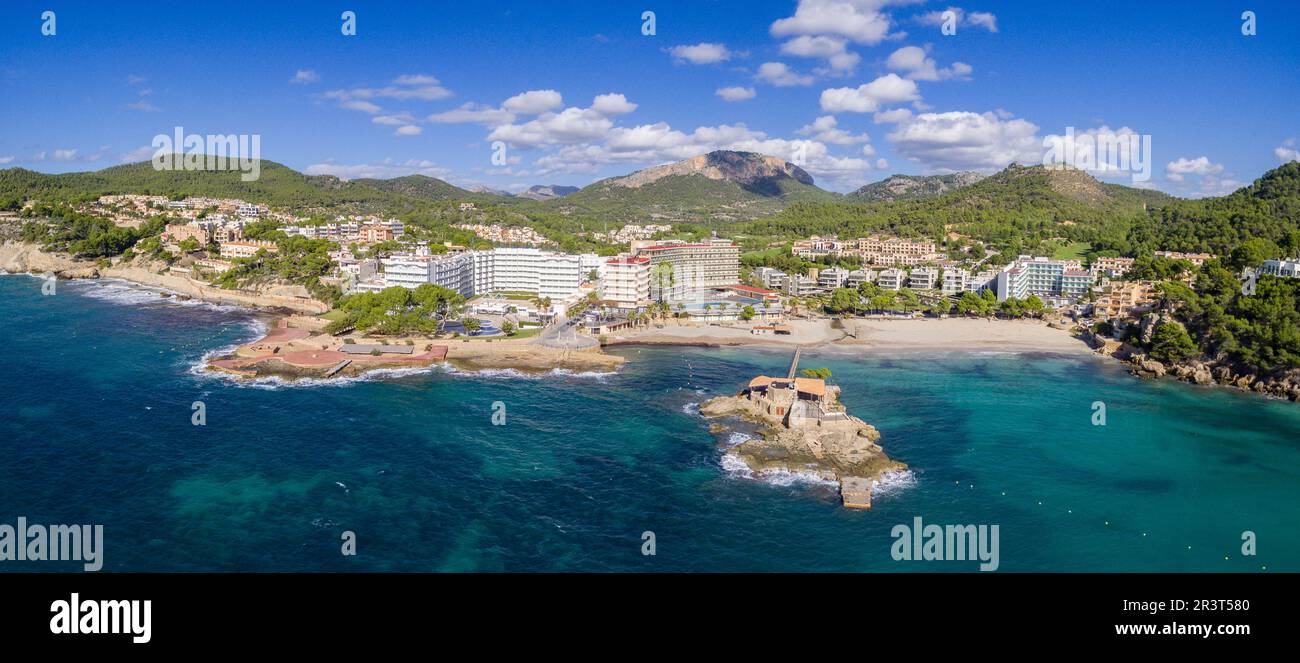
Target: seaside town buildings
{"x": 874, "y": 250}
{"x": 506, "y": 234}
{"x": 630, "y": 233}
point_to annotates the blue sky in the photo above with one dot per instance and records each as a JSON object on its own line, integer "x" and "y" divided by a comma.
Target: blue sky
{"x": 856, "y": 90}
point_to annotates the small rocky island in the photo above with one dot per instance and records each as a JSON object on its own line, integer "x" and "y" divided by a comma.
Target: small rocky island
{"x": 806, "y": 429}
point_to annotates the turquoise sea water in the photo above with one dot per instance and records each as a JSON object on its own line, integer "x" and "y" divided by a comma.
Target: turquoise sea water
{"x": 95, "y": 406}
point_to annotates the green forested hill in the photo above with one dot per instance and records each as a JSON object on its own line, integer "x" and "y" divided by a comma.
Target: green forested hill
{"x": 276, "y": 185}
{"x": 1268, "y": 209}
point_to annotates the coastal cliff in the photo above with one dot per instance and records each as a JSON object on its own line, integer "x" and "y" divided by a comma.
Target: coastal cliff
{"x": 20, "y": 258}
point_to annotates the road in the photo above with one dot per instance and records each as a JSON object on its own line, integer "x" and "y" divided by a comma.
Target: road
{"x": 562, "y": 334}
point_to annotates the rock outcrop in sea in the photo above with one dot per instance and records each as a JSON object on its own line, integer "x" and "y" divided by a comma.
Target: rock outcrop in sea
{"x": 805, "y": 429}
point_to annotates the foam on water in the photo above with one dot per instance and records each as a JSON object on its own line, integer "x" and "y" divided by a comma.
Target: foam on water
{"x": 735, "y": 467}
{"x": 892, "y": 483}
{"x": 128, "y": 293}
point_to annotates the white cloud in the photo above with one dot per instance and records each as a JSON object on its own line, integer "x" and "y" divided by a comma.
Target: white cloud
{"x": 408, "y": 130}
{"x": 393, "y": 120}
{"x": 416, "y": 79}
{"x": 474, "y": 114}
{"x": 983, "y": 20}
{"x": 138, "y": 154}
{"x": 892, "y": 116}
{"x": 780, "y": 75}
{"x": 572, "y": 125}
{"x": 1200, "y": 166}
{"x": 420, "y": 87}
{"x": 534, "y": 102}
{"x": 831, "y": 49}
{"x": 382, "y": 170}
{"x": 304, "y": 76}
{"x": 704, "y": 53}
{"x": 736, "y": 93}
{"x": 963, "y": 140}
{"x": 4, "y": 160}
{"x": 919, "y": 66}
{"x": 870, "y": 97}
{"x": 612, "y": 104}
{"x": 881, "y": 164}
{"x": 360, "y": 105}
{"x": 1287, "y": 151}
{"x": 143, "y": 106}
{"x": 826, "y": 130}
{"x": 859, "y": 20}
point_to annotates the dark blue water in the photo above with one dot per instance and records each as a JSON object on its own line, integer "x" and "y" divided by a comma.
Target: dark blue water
{"x": 95, "y": 427}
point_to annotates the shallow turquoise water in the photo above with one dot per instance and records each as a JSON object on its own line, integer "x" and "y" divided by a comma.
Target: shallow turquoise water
{"x": 95, "y": 407}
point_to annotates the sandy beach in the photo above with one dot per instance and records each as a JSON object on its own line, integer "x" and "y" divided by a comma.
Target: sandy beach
{"x": 868, "y": 335}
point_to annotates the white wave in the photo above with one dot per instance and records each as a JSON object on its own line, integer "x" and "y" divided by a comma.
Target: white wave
{"x": 891, "y": 483}
{"x": 692, "y": 409}
{"x": 735, "y": 467}
{"x": 737, "y": 438}
{"x": 128, "y": 293}
{"x": 585, "y": 375}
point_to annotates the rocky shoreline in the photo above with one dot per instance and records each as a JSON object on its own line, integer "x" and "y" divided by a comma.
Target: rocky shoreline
{"x": 24, "y": 258}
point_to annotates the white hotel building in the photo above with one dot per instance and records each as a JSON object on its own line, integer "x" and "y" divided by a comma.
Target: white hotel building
{"x": 546, "y": 273}
{"x": 626, "y": 282}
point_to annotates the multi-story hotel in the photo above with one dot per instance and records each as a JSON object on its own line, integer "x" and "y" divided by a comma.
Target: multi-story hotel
{"x": 1042, "y": 277}
{"x": 690, "y": 270}
{"x": 545, "y": 273}
{"x": 626, "y": 282}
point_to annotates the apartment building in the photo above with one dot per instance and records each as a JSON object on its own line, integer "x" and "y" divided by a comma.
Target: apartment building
{"x": 797, "y": 285}
{"x": 771, "y": 278}
{"x": 179, "y": 232}
{"x": 859, "y": 276}
{"x": 954, "y": 281}
{"x": 246, "y": 248}
{"x": 832, "y": 278}
{"x": 892, "y": 279}
{"x": 626, "y": 282}
{"x": 923, "y": 278}
{"x": 1124, "y": 299}
{"x": 1111, "y": 267}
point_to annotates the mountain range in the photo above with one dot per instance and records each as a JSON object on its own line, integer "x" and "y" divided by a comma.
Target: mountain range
{"x": 757, "y": 195}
